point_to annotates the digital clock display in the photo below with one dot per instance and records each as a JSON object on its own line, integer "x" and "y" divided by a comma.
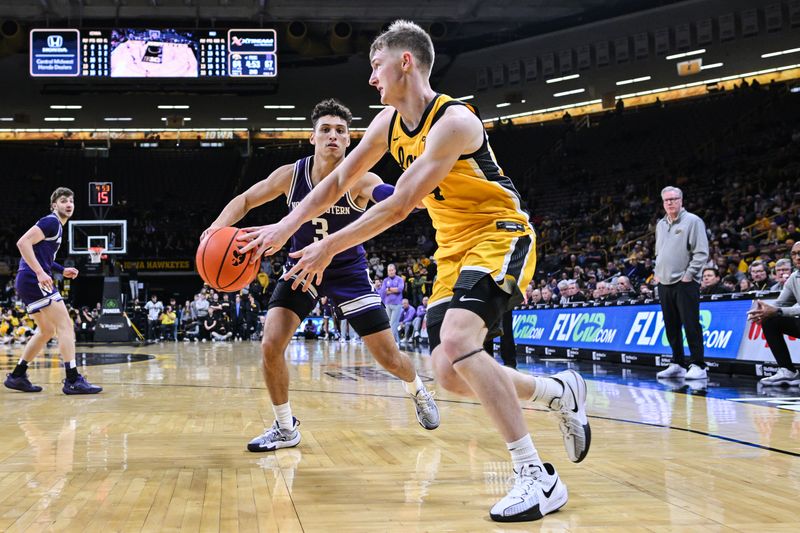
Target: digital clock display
{"x": 101, "y": 194}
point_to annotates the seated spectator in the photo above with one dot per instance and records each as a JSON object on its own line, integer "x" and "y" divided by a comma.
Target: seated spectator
{"x": 779, "y": 320}
{"x": 547, "y": 295}
{"x": 168, "y": 318}
{"x": 645, "y": 292}
{"x": 601, "y": 292}
{"x": 191, "y": 330}
{"x": 529, "y": 291}
{"x": 310, "y": 331}
{"x": 710, "y": 283}
{"x": 625, "y": 291}
{"x": 207, "y": 326}
{"x": 574, "y": 293}
{"x": 222, "y": 331}
{"x": 783, "y": 269}
{"x": 792, "y": 232}
{"x": 563, "y": 291}
{"x": 745, "y": 285}
{"x": 535, "y": 297}
{"x": 612, "y": 293}
{"x": 25, "y": 327}
{"x": 407, "y": 315}
{"x": 758, "y": 276}
{"x": 776, "y": 234}
{"x": 730, "y": 283}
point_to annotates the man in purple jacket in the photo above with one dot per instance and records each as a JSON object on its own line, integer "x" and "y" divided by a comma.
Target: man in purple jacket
{"x": 392, "y": 293}
{"x": 407, "y": 316}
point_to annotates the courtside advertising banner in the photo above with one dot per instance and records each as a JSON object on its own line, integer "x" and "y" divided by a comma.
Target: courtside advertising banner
{"x": 754, "y": 346}
{"x": 631, "y": 329}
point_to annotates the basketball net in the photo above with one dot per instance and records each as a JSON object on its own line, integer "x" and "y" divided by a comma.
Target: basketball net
{"x": 95, "y": 253}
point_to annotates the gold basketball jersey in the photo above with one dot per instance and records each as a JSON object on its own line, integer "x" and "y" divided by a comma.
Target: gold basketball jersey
{"x": 474, "y": 200}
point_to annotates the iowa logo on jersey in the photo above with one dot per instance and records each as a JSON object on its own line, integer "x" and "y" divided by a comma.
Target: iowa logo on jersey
{"x": 404, "y": 160}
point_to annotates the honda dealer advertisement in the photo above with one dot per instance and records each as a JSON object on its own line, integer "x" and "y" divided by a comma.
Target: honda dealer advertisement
{"x": 640, "y": 329}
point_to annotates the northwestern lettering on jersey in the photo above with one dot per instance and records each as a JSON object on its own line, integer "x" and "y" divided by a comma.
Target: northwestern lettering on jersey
{"x": 333, "y": 210}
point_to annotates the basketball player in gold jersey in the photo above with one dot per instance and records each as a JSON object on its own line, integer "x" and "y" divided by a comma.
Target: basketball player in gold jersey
{"x": 486, "y": 253}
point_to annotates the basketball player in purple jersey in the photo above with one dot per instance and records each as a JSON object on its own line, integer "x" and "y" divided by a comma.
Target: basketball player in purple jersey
{"x": 43, "y": 302}
{"x": 347, "y": 284}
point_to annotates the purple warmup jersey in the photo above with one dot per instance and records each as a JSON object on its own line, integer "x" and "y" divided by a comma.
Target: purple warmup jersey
{"x": 339, "y": 215}
{"x": 46, "y": 250}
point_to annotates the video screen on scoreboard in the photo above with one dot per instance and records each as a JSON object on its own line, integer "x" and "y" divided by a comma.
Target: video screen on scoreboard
{"x": 154, "y": 53}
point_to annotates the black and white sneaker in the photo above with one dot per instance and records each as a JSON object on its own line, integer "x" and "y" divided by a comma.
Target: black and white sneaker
{"x": 536, "y": 492}
{"x": 276, "y": 437}
{"x": 571, "y": 409}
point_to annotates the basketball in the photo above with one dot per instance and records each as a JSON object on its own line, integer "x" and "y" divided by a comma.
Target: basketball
{"x": 220, "y": 263}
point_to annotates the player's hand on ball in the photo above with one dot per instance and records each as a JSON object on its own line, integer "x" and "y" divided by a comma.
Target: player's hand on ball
{"x": 209, "y": 230}
{"x": 265, "y": 239}
{"x": 70, "y": 273}
{"x": 311, "y": 264}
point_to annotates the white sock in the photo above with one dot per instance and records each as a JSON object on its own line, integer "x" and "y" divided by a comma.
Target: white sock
{"x": 523, "y": 452}
{"x": 283, "y": 414}
{"x": 545, "y": 389}
{"x": 73, "y": 364}
{"x": 413, "y": 386}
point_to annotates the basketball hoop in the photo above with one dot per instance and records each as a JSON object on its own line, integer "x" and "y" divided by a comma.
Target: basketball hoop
{"x": 96, "y": 253}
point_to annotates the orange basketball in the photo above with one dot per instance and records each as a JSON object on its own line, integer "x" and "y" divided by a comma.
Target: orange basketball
{"x": 222, "y": 265}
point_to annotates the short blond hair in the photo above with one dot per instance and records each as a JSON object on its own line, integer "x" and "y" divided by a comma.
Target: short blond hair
{"x": 406, "y": 35}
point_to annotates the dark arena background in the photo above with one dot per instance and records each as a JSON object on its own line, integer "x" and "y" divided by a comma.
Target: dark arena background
{"x": 156, "y": 113}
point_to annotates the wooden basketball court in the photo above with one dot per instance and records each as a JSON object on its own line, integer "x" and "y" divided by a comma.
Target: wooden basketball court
{"x": 163, "y": 448}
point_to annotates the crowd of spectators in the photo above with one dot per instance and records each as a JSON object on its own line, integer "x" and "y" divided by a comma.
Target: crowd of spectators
{"x": 594, "y": 197}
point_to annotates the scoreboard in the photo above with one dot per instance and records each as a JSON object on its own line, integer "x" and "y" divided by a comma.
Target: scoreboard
{"x": 153, "y": 53}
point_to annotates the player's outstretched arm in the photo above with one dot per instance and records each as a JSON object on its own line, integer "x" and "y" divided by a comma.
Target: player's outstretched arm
{"x": 271, "y": 187}
{"x": 455, "y": 134}
{"x": 269, "y": 239}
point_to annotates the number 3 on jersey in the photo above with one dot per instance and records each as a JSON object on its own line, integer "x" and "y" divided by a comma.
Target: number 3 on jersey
{"x": 320, "y": 228}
